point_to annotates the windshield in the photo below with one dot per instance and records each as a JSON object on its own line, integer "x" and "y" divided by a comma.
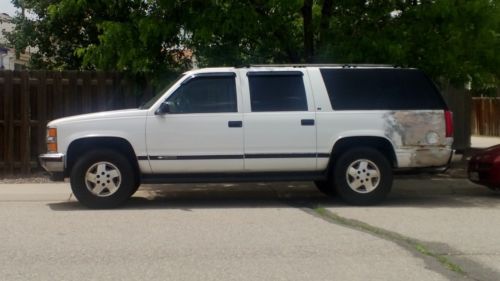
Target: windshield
{"x": 152, "y": 101}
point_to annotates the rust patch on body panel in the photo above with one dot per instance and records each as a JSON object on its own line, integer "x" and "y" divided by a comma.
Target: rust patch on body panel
{"x": 419, "y": 136}
{"x": 411, "y": 128}
{"x": 429, "y": 157}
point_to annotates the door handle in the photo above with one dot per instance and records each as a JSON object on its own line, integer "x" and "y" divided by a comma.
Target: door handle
{"x": 235, "y": 124}
{"x": 307, "y": 122}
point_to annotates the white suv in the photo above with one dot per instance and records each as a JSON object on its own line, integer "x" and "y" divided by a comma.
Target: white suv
{"x": 345, "y": 127}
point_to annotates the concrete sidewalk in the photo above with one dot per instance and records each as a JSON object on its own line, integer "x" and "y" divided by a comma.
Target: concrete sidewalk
{"x": 483, "y": 141}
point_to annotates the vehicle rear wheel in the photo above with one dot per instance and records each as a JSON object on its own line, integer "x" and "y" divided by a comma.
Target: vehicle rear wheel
{"x": 363, "y": 176}
{"x": 102, "y": 178}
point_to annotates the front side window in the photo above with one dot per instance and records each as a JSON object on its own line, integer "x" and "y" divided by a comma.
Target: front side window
{"x": 160, "y": 94}
{"x": 212, "y": 94}
{"x": 277, "y": 91}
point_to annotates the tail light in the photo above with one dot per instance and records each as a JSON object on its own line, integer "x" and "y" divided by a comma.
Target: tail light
{"x": 448, "y": 117}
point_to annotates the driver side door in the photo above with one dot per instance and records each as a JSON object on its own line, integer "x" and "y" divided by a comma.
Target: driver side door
{"x": 202, "y": 132}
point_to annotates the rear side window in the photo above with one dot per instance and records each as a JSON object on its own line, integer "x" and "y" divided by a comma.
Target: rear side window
{"x": 277, "y": 91}
{"x": 381, "y": 89}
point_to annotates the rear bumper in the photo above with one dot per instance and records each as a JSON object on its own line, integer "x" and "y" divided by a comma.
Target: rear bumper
{"x": 427, "y": 170}
{"x": 54, "y": 164}
{"x": 437, "y": 158}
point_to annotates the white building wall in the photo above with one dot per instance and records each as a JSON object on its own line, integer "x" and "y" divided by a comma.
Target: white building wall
{"x": 8, "y": 60}
{"x": 6, "y": 25}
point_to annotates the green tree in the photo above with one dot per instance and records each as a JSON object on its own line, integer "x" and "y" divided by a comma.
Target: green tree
{"x": 452, "y": 40}
{"x": 56, "y": 30}
{"x": 243, "y": 32}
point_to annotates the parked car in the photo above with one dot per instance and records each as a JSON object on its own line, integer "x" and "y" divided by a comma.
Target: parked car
{"x": 347, "y": 128}
{"x": 484, "y": 167}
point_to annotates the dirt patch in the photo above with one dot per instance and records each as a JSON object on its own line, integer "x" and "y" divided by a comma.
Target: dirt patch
{"x": 37, "y": 177}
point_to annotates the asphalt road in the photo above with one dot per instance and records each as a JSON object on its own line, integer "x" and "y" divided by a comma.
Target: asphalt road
{"x": 428, "y": 229}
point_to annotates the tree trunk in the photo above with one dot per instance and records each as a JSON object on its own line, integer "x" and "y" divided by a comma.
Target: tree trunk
{"x": 308, "y": 30}
{"x": 326, "y": 14}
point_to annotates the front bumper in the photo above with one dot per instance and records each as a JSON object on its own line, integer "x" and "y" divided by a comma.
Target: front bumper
{"x": 54, "y": 164}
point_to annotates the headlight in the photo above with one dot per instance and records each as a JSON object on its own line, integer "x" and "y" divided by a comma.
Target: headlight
{"x": 52, "y": 140}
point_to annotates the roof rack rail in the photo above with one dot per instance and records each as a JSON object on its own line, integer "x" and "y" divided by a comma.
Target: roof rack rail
{"x": 345, "y": 65}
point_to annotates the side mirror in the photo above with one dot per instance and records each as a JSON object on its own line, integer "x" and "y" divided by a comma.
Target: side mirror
{"x": 163, "y": 109}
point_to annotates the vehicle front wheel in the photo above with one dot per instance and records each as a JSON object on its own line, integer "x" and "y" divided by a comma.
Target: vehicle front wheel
{"x": 102, "y": 178}
{"x": 363, "y": 176}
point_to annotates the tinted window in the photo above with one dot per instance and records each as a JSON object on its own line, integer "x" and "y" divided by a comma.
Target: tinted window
{"x": 277, "y": 91}
{"x": 385, "y": 89}
{"x": 205, "y": 95}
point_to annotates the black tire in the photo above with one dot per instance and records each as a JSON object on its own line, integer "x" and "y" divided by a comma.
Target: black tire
{"x": 494, "y": 188}
{"x": 365, "y": 188}
{"x": 326, "y": 187}
{"x": 108, "y": 161}
{"x": 134, "y": 190}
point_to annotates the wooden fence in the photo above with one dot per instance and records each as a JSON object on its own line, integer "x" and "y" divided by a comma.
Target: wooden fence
{"x": 29, "y": 99}
{"x": 486, "y": 116}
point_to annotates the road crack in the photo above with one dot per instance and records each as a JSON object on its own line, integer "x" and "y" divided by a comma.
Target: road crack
{"x": 438, "y": 257}
{"x": 443, "y": 259}
{"x": 414, "y": 244}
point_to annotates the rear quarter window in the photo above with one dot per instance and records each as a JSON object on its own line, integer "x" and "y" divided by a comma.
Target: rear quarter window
{"x": 381, "y": 89}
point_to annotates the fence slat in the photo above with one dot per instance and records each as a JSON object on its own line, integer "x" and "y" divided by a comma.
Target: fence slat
{"x": 25, "y": 140}
{"x": 41, "y": 101}
{"x": 486, "y": 116}
{"x": 9, "y": 128}
{"x": 86, "y": 92}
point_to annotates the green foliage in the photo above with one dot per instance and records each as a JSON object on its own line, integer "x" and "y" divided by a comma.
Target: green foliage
{"x": 147, "y": 41}
{"x": 56, "y": 30}
{"x": 452, "y": 40}
{"x": 244, "y": 32}
{"x": 449, "y": 39}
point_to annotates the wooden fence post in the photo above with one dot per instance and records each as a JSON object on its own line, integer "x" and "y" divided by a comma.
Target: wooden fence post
{"x": 41, "y": 100}
{"x": 24, "y": 124}
{"x": 8, "y": 137}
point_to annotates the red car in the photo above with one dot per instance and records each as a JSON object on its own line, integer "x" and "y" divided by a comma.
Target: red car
{"x": 484, "y": 167}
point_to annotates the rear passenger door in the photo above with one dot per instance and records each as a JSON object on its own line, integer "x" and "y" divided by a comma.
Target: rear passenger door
{"x": 279, "y": 121}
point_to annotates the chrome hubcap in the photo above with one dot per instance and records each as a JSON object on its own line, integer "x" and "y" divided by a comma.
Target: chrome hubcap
{"x": 103, "y": 179}
{"x": 363, "y": 176}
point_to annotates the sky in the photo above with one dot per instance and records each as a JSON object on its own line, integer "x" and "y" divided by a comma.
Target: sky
{"x": 7, "y": 7}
